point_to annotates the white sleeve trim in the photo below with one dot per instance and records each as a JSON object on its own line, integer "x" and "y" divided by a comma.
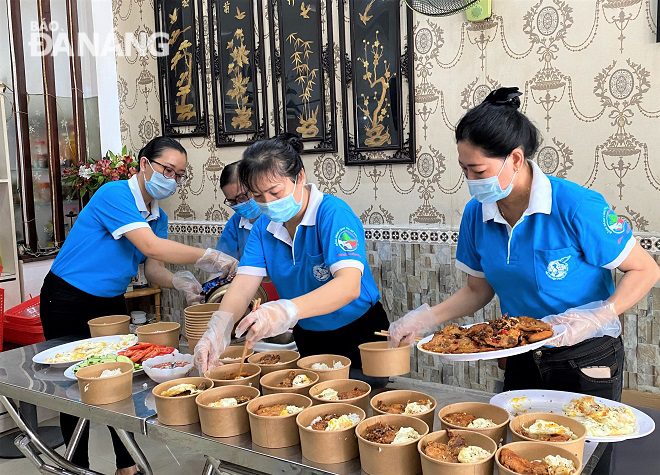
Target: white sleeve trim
{"x": 119, "y": 232}
{"x": 250, "y": 270}
{"x": 469, "y": 270}
{"x": 346, "y": 263}
{"x": 626, "y": 250}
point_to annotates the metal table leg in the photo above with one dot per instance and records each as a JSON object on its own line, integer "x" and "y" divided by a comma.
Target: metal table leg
{"x": 51, "y": 435}
{"x": 208, "y": 468}
{"x": 75, "y": 439}
{"x": 39, "y": 444}
{"x": 23, "y": 444}
{"x": 135, "y": 451}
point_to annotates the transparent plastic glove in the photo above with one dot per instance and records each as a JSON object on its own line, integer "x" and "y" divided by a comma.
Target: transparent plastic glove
{"x": 216, "y": 262}
{"x": 270, "y": 319}
{"x": 184, "y": 281}
{"x": 415, "y": 323}
{"x": 214, "y": 341}
{"x": 592, "y": 320}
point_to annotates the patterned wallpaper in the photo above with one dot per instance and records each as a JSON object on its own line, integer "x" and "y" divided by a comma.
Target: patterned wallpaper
{"x": 589, "y": 71}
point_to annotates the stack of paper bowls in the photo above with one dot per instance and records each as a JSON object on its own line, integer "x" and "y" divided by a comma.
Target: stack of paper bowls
{"x": 196, "y": 319}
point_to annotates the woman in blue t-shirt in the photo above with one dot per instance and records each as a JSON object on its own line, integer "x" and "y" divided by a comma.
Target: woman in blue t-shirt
{"x": 547, "y": 247}
{"x": 312, "y": 247}
{"x": 246, "y": 211}
{"x": 121, "y": 227}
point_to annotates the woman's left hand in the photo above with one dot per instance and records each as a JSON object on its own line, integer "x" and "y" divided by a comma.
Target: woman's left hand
{"x": 270, "y": 319}
{"x": 184, "y": 281}
{"x": 592, "y": 320}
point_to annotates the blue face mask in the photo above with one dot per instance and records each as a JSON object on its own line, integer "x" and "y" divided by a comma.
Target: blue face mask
{"x": 248, "y": 209}
{"x": 282, "y": 210}
{"x": 488, "y": 190}
{"x": 159, "y": 187}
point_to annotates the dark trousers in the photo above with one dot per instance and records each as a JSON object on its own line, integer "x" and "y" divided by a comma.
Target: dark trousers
{"x": 343, "y": 341}
{"x": 65, "y": 311}
{"x": 560, "y": 368}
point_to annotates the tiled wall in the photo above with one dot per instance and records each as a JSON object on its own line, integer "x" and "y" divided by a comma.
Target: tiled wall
{"x": 412, "y": 266}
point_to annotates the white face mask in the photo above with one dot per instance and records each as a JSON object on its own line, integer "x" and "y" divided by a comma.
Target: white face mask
{"x": 488, "y": 190}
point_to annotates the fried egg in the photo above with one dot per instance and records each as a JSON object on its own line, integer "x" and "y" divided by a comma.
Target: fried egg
{"x": 291, "y": 410}
{"x": 481, "y": 423}
{"x": 301, "y": 380}
{"x": 472, "y": 454}
{"x": 180, "y": 388}
{"x": 329, "y": 394}
{"x": 417, "y": 408}
{"x": 343, "y": 422}
{"x": 542, "y": 427}
{"x": 405, "y": 435}
{"x": 558, "y": 465}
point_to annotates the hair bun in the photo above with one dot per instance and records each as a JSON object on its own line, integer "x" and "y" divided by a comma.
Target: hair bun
{"x": 504, "y": 96}
{"x": 293, "y": 140}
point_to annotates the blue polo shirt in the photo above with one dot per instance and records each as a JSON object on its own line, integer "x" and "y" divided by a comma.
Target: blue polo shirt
{"x": 329, "y": 237}
{"x": 96, "y": 257}
{"x": 235, "y": 236}
{"x": 560, "y": 254}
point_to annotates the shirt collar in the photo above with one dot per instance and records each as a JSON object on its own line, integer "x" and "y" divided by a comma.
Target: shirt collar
{"x": 245, "y": 223}
{"x": 309, "y": 218}
{"x": 147, "y": 214}
{"x": 540, "y": 198}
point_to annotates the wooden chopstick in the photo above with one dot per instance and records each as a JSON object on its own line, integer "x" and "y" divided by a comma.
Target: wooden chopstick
{"x": 257, "y": 302}
{"x": 386, "y": 333}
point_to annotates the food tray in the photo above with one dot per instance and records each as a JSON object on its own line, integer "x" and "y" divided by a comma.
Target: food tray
{"x": 51, "y": 352}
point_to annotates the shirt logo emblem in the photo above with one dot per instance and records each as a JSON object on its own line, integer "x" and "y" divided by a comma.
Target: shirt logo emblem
{"x": 346, "y": 240}
{"x": 558, "y": 268}
{"x": 613, "y": 223}
{"x": 321, "y": 272}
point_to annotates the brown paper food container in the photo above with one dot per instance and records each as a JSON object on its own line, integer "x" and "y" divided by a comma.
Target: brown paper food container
{"x": 327, "y": 374}
{"x": 431, "y": 466}
{"x": 340, "y": 385}
{"x": 201, "y": 309}
{"x": 576, "y": 447}
{"x": 97, "y": 391}
{"x": 161, "y": 333}
{"x": 380, "y": 361}
{"x": 404, "y": 396}
{"x": 386, "y": 459}
{"x": 479, "y": 409}
{"x": 110, "y": 325}
{"x": 192, "y": 343}
{"x": 333, "y": 446}
{"x": 224, "y": 421}
{"x": 274, "y": 432}
{"x": 288, "y": 360}
{"x": 535, "y": 451}
{"x": 235, "y": 353}
{"x": 182, "y": 410}
{"x": 269, "y": 382}
{"x": 218, "y": 372}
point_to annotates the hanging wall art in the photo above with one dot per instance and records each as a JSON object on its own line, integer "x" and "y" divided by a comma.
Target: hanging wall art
{"x": 238, "y": 75}
{"x": 182, "y": 71}
{"x": 303, "y": 71}
{"x": 378, "y": 90}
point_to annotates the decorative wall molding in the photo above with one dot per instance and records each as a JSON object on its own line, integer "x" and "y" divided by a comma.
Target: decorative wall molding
{"x": 415, "y": 234}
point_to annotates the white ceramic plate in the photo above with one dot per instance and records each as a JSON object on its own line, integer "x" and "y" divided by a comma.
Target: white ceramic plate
{"x": 524, "y": 401}
{"x": 490, "y": 355}
{"x": 69, "y": 374}
{"x": 51, "y": 352}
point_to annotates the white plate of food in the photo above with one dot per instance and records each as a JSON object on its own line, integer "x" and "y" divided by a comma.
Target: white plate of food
{"x": 69, "y": 353}
{"x": 476, "y": 341}
{"x": 623, "y": 422}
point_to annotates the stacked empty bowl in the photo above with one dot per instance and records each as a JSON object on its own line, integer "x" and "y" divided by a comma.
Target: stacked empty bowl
{"x": 196, "y": 319}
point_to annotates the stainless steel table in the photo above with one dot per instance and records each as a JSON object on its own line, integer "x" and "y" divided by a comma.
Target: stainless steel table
{"x": 23, "y": 380}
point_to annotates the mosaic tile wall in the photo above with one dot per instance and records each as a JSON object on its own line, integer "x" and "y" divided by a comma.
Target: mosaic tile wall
{"x": 412, "y": 266}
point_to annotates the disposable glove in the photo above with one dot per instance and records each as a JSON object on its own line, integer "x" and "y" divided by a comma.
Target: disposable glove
{"x": 184, "y": 281}
{"x": 214, "y": 342}
{"x": 415, "y": 323}
{"x": 592, "y": 320}
{"x": 216, "y": 262}
{"x": 270, "y": 319}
